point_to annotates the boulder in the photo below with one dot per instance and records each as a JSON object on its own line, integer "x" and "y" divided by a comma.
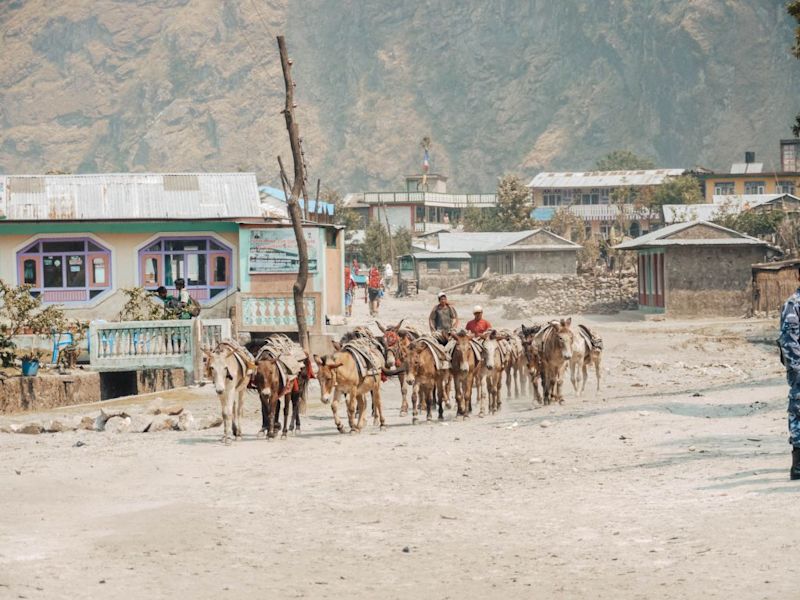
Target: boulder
{"x": 156, "y": 406}
{"x": 58, "y": 426}
{"x": 118, "y": 424}
{"x": 8, "y": 427}
{"x": 86, "y": 423}
{"x": 32, "y": 428}
{"x": 140, "y": 423}
{"x": 186, "y": 422}
{"x": 209, "y": 422}
{"x": 162, "y": 423}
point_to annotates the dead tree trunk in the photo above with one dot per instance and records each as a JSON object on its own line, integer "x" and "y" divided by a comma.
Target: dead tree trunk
{"x": 298, "y": 188}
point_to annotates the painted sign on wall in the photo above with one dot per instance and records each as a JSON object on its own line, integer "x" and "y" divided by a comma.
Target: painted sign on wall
{"x": 275, "y": 251}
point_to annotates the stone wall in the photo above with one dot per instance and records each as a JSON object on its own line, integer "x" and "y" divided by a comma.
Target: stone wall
{"x": 710, "y": 281}
{"x": 524, "y": 296}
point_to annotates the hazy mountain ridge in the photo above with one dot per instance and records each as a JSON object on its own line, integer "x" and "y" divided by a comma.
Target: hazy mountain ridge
{"x": 107, "y": 85}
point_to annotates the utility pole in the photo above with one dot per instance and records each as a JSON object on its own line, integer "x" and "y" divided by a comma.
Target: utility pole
{"x": 297, "y": 188}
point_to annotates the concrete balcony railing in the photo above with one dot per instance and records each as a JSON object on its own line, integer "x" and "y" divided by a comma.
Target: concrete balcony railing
{"x": 428, "y": 199}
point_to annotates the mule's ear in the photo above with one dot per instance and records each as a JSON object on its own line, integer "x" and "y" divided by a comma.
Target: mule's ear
{"x": 400, "y": 323}
{"x": 318, "y": 360}
{"x": 568, "y": 322}
{"x": 336, "y": 345}
{"x": 380, "y": 326}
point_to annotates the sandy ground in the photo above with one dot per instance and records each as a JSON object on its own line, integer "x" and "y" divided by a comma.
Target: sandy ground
{"x": 669, "y": 483}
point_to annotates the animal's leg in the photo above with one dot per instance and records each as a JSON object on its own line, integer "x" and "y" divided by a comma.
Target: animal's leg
{"x": 351, "y": 411}
{"x": 362, "y": 412}
{"x": 441, "y": 395}
{"x": 447, "y": 388}
{"x": 296, "y": 412}
{"x": 573, "y": 374}
{"x": 377, "y": 401}
{"x": 335, "y": 410}
{"x": 597, "y": 370}
{"x": 584, "y": 376}
{"x": 271, "y": 409}
{"x": 404, "y": 394}
{"x": 264, "y": 415}
{"x": 415, "y": 403}
{"x": 481, "y": 396}
{"x": 286, "y": 400}
{"x": 227, "y": 415}
{"x": 237, "y": 413}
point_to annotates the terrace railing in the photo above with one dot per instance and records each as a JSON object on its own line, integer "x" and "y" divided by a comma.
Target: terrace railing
{"x": 430, "y": 199}
{"x": 139, "y": 345}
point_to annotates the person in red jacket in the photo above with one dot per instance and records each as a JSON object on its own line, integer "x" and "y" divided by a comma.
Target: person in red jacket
{"x": 478, "y": 325}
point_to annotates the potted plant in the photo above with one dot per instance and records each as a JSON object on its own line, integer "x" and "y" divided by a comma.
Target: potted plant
{"x": 22, "y": 313}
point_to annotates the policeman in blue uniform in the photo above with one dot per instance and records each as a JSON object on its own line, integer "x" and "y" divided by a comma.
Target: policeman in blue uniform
{"x": 789, "y": 342}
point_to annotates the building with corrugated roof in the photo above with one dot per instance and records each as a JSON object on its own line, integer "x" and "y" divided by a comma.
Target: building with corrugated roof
{"x": 589, "y": 195}
{"x": 78, "y": 240}
{"x": 696, "y": 268}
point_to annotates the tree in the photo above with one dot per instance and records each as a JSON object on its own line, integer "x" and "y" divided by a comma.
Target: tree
{"x": 342, "y": 215}
{"x": 684, "y": 189}
{"x": 567, "y": 225}
{"x": 755, "y": 223}
{"x": 512, "y": 213}
{"x": 376, "y": 250}
{"x": 623, "y": 160}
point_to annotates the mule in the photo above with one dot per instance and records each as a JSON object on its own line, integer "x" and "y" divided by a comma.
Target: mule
{"x": 339, "y": 376}
{"x": 230, "y": 374}
{"x": 426, "y": 379}
{"x": 396, "y": 342}
{"x": 491, "y": 374}
{"x": 555, "y": 346}
{"x": 464, "y": 367}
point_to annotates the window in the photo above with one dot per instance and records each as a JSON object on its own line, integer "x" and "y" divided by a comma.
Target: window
{"x": 453, "y": 265}
{"x": 552, "y": 199}
{"x": 785, "y": 187}
{"x": 205, "y": 264}
{"x": 591, "y": 198}
{"x": 434, "y": 265}
{"x": 65, "y": 270}
{"x": 724, "y": 188}
{"x": 754, "y": 187}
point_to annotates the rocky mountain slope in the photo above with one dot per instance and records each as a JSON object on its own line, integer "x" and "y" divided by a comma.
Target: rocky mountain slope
{"x": 504, "y": 85}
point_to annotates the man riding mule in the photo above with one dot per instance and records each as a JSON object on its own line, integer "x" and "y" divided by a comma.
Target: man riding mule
{"x": 230, "y": 366}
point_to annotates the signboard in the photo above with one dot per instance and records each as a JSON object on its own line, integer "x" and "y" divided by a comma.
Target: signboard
{"x": 275, "y": 251}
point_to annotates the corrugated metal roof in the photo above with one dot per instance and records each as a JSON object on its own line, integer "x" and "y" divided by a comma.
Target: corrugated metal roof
{"x": 722, "y": 205}
{"x": 600, "y": 179}
{"x": 442, "y": 255}
{"x": 492, "y": 241}
{"x": 661, "y": 237}
{"x": 747, "y": 199}
{"x": 742, "y": 168}
{"x": 130, "y": 196}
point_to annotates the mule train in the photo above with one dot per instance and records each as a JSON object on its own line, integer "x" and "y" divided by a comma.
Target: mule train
{"x": 430, "y": 367}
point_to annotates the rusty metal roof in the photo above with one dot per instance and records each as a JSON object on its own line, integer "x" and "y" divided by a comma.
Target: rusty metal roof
{"x": 601, "y": 179}
{"x": 129, "y": 196}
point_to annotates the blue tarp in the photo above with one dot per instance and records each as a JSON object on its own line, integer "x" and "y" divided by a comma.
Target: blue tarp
{"x": 325, "y": 207}
{"x": 543, "y": 213}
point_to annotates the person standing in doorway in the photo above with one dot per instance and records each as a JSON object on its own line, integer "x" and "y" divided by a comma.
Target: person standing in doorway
{"x": 443, "y": 317}
{"x": 789, "y": 342}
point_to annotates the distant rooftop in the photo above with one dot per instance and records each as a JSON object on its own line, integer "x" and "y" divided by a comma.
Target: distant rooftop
{"x": 601, "y": 179}
{"x": 704, "y": 234}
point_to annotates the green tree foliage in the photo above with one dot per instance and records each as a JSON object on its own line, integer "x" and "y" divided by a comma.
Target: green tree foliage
{"x": 21, "y": 313}
{"x": 376, "y": 249}
{"x": 676, "y": 190}
{"x": 755, "y": 223}
{"x": 567, "y": 225}
{"x": 513, "y": 211}
{"x": 623, "y": 160}
{"x": 343, "y": 215}
{"x": 142, "y": 306}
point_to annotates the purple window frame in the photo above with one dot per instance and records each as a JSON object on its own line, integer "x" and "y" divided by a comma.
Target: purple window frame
{"x": 66, "y": 294}
{"x": 201, "y": 293}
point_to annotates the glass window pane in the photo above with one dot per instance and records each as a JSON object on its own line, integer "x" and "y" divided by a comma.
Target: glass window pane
{"x": 98, "y": 270}
{"x": 29, "y": 271}
{"x": 185, "y": 245}
{"x": 174, "y": 268}
{"x": 32, "y": 248}
{"x": 94, "y": 247}
{"x": 220, "y": 269}
{"x": 154, "y": 247}
{"x": 64, "y": 246}
{"x": 214, "y": 292}
{"x": 76, "y": 270}
{"x": 53, "y": 271}
{"x": 196, "y": 269}
{"x": 214, "y": 245}
{"x": 150, "y": 271}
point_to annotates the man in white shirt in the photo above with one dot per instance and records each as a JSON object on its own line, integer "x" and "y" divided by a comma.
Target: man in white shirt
{"x": 388, "y": 274}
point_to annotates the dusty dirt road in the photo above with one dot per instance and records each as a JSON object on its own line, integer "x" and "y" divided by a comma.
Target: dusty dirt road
{"x": 669, "y": 483}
